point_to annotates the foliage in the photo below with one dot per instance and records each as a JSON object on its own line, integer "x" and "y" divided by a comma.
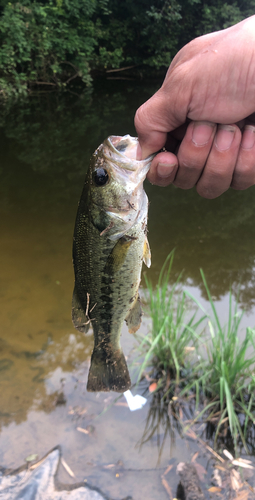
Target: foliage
{"x": 142, "y": 31}
{"x": 169, "y": 340}
{"x": 227, "y": 377}
{"x": 42, "y": 41}
{"x": 201, "y": 17}
{"x": 223, "y": 380}
{"x": 52, "y": 42}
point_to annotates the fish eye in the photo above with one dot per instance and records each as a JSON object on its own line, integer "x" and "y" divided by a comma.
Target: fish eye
{"x": 100, "y": 177}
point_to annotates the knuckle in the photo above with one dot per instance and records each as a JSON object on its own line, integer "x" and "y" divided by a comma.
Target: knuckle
{"x": 192, "y": 165}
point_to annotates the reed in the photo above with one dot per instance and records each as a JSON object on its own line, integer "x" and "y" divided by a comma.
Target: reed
{"x": 174, "y": 330}
{"x": 227, "y": 380}
{"x": 221, "y": 376}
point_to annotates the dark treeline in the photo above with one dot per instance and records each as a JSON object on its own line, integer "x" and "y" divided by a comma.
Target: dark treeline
{"x": 52, "y": 42}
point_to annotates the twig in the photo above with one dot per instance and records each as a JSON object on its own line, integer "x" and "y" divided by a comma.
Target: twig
{"x": 44, "y": 83}
{"x": 71, "y": 78}
{"x": 70, "y": 64}
{"x": 80, "y": 429}
{"x": 67, "y": 468}
{"x": 167, "y": 487}
{"x": 120, "y": 69}
{"x": 119, "y": 78}
{"x": 167, "y": 470}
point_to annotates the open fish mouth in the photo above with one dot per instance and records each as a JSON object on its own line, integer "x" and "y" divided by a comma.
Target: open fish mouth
{"x": 125, "y": 145}
{"x": 123, "y": 152}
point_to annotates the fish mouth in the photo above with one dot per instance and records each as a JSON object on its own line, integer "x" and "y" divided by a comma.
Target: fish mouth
{"x": 122, "y": 150}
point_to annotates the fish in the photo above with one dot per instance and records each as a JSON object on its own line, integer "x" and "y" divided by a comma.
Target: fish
{"x": 109, "y": 246}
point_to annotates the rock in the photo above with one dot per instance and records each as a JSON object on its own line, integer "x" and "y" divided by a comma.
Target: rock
{"x": 189, "y": 487}
{"x": 40, "y": 483}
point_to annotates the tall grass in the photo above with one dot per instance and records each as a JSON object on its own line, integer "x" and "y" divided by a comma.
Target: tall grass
{"x": 174, "y": 331}
{"x": 223, "y": 376}
{"x": 228, "y": 377}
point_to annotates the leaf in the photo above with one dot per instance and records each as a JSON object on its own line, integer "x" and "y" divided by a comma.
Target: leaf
{"x": 242, "y": 463}
{"x": 228, "y": 455}
{"x": 153, "y": 387}
{"x": 235, "y": 480}
{"x": 243, "y": 495}
{"x": 31, "y": 458}
{"x": 214, "y": 489}
{"x": 200, "y": 470}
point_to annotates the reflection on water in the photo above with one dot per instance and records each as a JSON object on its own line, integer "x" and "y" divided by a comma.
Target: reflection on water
{"x": 215, "y": 235}
{"x": 46, "y": 142}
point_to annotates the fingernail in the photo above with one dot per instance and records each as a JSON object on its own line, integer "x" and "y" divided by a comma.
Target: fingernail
{"x": 224, "y": 137}
{"x": 202, "y": 133}
{"x": 248, "y": 139}
{"x": 165, "y": 169}
{"x": 139, "y": 152}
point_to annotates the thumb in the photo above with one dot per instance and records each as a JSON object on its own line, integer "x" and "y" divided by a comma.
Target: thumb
{"x": 153, "y": 120}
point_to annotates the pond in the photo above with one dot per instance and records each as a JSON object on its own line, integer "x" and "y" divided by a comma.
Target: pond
{"x": 46, "y": 142}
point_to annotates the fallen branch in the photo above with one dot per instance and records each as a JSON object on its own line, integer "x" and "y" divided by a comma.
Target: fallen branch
{"x": 120, "y": 69}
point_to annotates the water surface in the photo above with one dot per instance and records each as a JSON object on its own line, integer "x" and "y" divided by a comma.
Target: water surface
{"x": 46, "y": 142}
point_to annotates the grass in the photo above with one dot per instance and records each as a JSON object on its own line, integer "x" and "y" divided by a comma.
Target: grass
{"x": 168, "y": 344}
{"x": 228, "y": 378}
{"x": 223, "y": 376}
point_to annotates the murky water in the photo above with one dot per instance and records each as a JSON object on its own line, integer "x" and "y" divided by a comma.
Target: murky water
{"x": 45, "y": 143}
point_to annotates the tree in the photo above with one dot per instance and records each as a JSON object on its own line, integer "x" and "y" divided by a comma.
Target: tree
{"x": 54, "y": 41}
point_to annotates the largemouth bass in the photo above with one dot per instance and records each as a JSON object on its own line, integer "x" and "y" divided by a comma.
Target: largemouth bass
{"x": 110, "y": 243}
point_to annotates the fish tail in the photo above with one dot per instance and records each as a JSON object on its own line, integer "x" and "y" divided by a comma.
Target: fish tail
{"x": 108, "y": 372}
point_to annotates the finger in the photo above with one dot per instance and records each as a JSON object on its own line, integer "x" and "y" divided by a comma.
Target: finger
{"x": 193, "y": 153}
{"x": 153, "y": 120}
{"x": 244, "y": 173}
{"x": 218, "y": 172}
{"x": 163, "y": 169}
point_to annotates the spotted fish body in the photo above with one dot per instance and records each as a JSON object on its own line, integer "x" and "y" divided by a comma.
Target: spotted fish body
{"x": 109, "y": 246}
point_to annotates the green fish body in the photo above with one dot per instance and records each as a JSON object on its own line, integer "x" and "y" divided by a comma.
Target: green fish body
{"x": 109, "y": 246}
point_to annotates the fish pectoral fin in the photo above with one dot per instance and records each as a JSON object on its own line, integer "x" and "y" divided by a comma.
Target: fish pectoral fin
{"x": 118, "y": 254}
{"x": 108, "y": 371}
{"x": 80, "y": 320}
{"x": 134, "y": 316}
{"x": 146, "y": 253}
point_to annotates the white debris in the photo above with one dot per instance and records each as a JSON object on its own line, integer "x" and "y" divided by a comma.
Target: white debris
{"x": 134, "y": 402}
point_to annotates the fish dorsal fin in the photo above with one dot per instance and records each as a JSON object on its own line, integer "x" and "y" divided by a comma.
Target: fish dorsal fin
{"x": 146, "y": 253}
{"x": 80, "y": 320}
{"x": 134, "y": 316}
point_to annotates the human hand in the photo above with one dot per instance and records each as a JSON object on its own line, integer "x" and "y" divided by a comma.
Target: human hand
{"x": 203, "y": 115}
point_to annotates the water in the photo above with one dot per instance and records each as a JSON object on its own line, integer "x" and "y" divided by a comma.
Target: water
{"x": 46, "y": 143}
